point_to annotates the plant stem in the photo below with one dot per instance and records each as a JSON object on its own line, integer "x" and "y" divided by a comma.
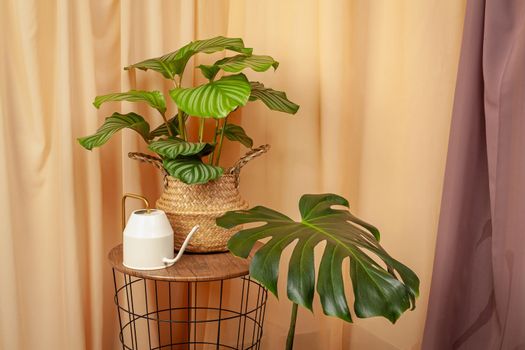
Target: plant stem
{"x": 180, "y": 116}
{"x": 182, "y": 127}
{"x": 167, "y": 123}
{"x": 216, "y": 132}
{"x": 201, "y": 129}
{"x": 220, "y": 141}
{"x": 291, "y": 330}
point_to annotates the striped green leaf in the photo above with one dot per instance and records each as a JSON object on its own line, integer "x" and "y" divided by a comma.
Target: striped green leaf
{"x": 162, "y": 129}
{"x": 209, "y": 71}
{"x": 158, "y": 64}
{"x": 215, "y": 99}
{"x": 175, "y": 62}
{"x": 273, "y": 99}
{"x": 382, "y": 285}
{"x": 192, "y": 170}
{"x": 173, "y": 148}
{"x": 238, "y": 63}
{"x": 236, "y": 133}
{"x": 154, "y": 98}
{"x": 113, "y": 124}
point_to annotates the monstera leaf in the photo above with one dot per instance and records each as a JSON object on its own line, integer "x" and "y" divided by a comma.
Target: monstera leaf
{"x": 113, "y": 124}
{"x": 173, "y": 148}
{"x": 215, "y": 99}
{"x": 236, "y": 133}
{"x": 273, "y": 99}
{"x": 154, "y": 98}
{"x": 174, "y": 63}
{"x": 192, "y": 170}
{"x": 378, "y": 290}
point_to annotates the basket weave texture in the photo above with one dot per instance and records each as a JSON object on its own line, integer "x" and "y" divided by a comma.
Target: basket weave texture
{"x": 190, "y": 205}
{"x": 200, "y": 204}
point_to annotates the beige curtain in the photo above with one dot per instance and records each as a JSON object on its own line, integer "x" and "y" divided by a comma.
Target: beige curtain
{"x": 375, "y": 82}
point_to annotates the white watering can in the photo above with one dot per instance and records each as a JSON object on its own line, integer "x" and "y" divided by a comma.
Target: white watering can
{"x": 148, "y": 238}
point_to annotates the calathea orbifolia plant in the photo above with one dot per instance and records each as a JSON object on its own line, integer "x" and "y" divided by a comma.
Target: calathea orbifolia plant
{"x": 384, "y": 289}
{"x": 195, "y": 161}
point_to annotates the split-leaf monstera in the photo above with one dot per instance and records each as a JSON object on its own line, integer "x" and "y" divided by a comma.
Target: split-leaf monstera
{"x": 384, "y": 289}
{"x": 195, "y": 160}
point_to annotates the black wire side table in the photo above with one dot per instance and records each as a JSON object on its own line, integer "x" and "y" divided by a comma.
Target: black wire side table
{"x": 204, "y": 301}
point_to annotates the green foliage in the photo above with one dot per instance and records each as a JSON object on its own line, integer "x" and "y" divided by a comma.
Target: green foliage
{"x": 173, "y": 148}
{"x": 377, "y": 288}
{"x": 275, "y": 100}
{"x": 154, "y": 98}
{"x": 162, "y": 130}
{"x": 236, "y": 133}
{"x": 175, "y": 62}
{"x": 238, "y": 63}
{"x": 217, "y": 99}
{"x": 209, "y": 71}
{"x": 192, "y": 170}
{"x": 113, "y": 124}
{"x": 182, "y": 160}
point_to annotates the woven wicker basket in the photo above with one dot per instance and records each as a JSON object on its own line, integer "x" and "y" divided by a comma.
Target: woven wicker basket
{"x": 189, "y": 205}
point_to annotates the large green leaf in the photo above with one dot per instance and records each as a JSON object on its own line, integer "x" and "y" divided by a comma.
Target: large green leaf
{"x": 173, "y": 148}
{"x": 377, "y": 290}
{"x": 238, "y": 63}
{"x": 113, "y": 124}
{"x": 192, "y": 170}
{"x": 258, "y": 63}
{"x": 215, "y": 99}
{"x": 273, "y": 99}
{"x": 174, "y": 63}
{"x": 154, "y": 98}
{"x": 236, "y": 133}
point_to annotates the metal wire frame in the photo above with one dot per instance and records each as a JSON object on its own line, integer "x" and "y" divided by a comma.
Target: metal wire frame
{"x": 149, "y": 318}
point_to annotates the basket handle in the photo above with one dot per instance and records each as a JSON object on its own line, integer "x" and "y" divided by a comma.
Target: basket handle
{"x": 146, "y": 158}
{"x": 251, "y": 154}
{"x": 235, "y": 169}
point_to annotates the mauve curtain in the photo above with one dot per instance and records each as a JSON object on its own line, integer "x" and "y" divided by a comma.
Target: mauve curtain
{"x": 477, "y": 300}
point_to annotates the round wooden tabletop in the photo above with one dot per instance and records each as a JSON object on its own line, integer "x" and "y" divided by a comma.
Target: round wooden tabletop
{"x": 190, "y": 268}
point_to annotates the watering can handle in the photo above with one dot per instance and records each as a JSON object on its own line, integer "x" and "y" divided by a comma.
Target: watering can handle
{"x": 123, "y": 205}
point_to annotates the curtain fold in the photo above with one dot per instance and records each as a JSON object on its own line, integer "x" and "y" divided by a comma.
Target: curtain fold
{"x": 375, "y": 84}
{"x": 477, "y": 286}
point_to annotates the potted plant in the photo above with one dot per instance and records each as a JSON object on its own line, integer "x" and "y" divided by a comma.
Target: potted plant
{"x": 382, "y": 285}
{"x": 198, "y": 188}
